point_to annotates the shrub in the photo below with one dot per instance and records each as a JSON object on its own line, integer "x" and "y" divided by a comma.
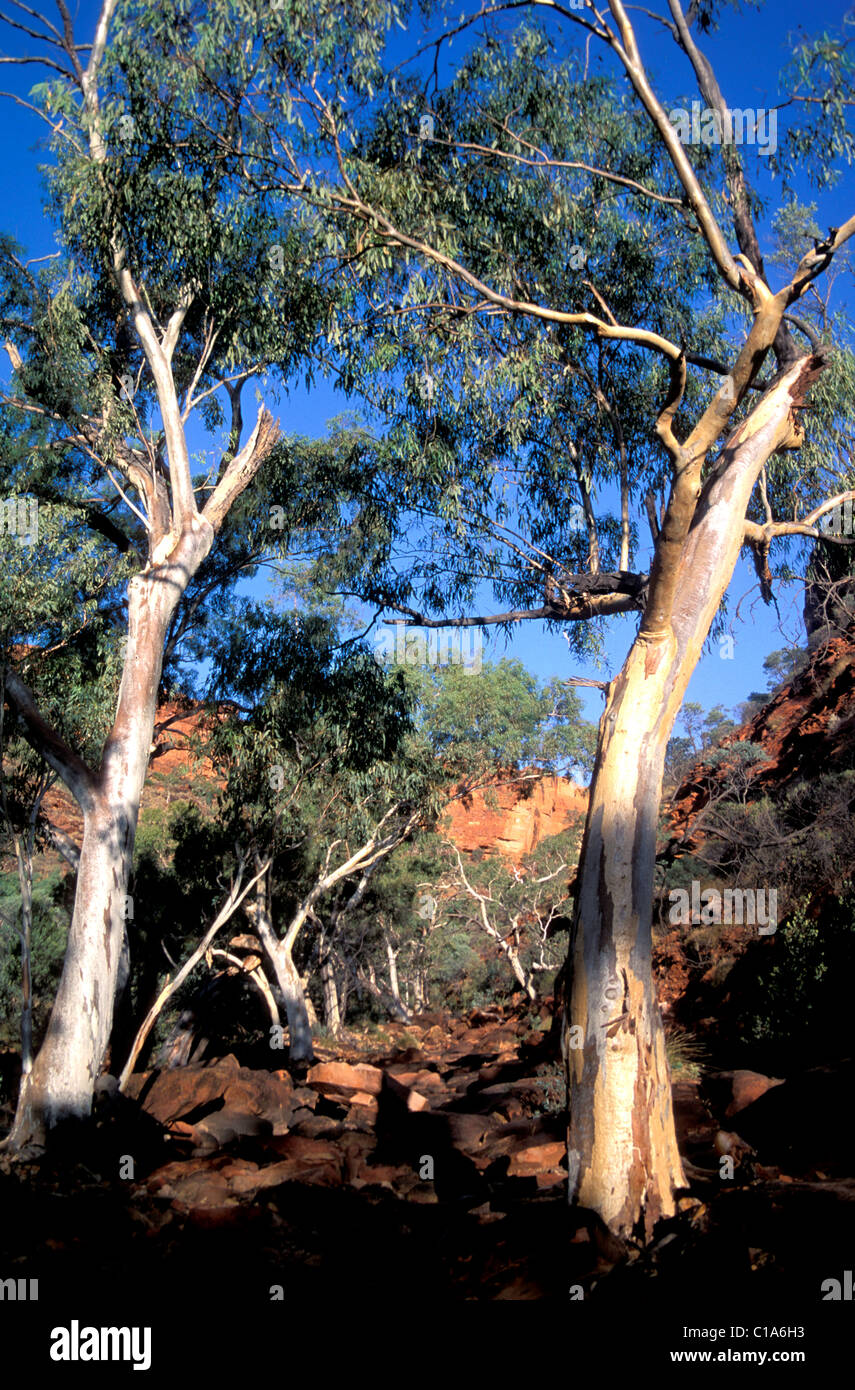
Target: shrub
{"x": 800, "y": 1011}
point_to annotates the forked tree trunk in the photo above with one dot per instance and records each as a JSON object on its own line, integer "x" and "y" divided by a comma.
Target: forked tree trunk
{"x": 61, "y": 1082}
{"x": 623, "y": 1157}
{"x": 393, "y": 1004}
{"x": 521, "y": 975}
{"x": 287, "y": 975}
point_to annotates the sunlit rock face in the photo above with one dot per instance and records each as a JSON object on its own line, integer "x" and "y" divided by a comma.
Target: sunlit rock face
{"x": 516, "y": 823}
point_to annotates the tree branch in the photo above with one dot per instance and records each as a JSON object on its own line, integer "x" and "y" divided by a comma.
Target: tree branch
{"x": 79, "y": 779}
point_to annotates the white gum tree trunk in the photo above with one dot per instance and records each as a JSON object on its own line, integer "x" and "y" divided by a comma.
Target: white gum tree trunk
{"x": 623, "y": 1156}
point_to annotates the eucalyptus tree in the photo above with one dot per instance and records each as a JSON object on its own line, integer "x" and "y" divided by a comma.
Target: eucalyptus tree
{"x": 513, "y": 905}
{"x": 53, "y": 580}
{"x": 492, "y": 729}
{"x": 324, "y": 777}
{"x": 544, "y": 262}
{"x": 576, "y": 299}
{"x": 144, "y": 327}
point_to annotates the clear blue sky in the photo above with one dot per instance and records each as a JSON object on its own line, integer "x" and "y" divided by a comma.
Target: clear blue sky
{"x": 747, "y": 52}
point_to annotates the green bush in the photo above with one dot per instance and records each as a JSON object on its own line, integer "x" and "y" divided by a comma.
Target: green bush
{"x": 685, "y": 1054}
{"x": 800, "y": 1010}
{"x": 49, "y": 935}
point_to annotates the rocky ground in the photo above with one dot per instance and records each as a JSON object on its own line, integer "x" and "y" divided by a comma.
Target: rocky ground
{"x": 431, "y": 1158}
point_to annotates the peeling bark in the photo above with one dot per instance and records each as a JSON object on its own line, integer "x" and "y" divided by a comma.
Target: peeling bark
{"x": 623, "y": 1157}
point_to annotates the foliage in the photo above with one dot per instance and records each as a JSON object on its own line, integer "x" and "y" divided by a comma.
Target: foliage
{"x": 799, "y": 1011}
{"x": 685, "y": 1053}
{"x": 50, "y": 927}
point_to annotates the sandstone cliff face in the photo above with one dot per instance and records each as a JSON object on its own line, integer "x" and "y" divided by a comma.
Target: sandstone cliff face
{"x": 806, "y": 729}
{"x": 517, "y": 824}
{"x": 514, "y": 826}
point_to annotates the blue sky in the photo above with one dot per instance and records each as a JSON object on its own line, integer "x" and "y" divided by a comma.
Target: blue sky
{"x": 747, "y": 53}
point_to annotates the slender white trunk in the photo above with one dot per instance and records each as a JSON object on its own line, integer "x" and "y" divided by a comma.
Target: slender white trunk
{"x": 623, "y": 1158}
{"x": 392, "y": 958}
{"x": 63, "y": 1075}
{"x": 332, "y": 1015}
{"x": 286, "y": 973}
{"x": 521, "y": 975}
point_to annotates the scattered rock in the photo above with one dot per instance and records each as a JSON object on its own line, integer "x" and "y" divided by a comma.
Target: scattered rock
{"x": 337, "y": 1078}
{"x": 732, "y": 1091}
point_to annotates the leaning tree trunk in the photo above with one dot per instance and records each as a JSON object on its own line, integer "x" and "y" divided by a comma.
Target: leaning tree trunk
{"x": 61, "y": 1082}
{"x": 393, "y": 1004}
{"x": 521, "y": 975}
{"x": 623, "y": 1157}
{"x": 279, "y": 953}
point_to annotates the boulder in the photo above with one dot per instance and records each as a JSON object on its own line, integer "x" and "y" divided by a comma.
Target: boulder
{"x": 340, "y": 1078}
{"x": 800, "y": 1124}
{"x": 177, "y": 1093}
{"x": 226, "y": 1125}
{"x": 731, "y": 1091}
{"x": 541, "y": 1156}
{"x": 362, "y": 1098}
{"x": 411, "y": 1099}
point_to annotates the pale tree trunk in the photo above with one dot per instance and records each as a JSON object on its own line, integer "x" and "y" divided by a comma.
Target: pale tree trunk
{"x": 333, "y": 1010}
{"x": 279, "y": 953}
{"x": 623, "y": 1157}
{"x": 521, "y": 975}
{"x": 343, "y": 996}
{"x": 332, "y": 1013}
{"x": 291, "y": 990}
{"x": 311, "y": 1013}
{"x": 62, "y": 1080}
{"x": 420, "y": 991}
{"x": 508, "y": 943}
{"x": 366, "y": 980}
{"x": 390, "y": 831}
{"x": 171, "y": 987}
{"x": 63, "y": 1075}
{"x": 392, "y": 958}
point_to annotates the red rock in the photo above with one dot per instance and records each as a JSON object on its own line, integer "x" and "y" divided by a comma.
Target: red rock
{"x": 304, "y": 1098}
{"x": 471, "y": 1132}
{"x": 184, "y": 1131}
{"x": 315, "y": 1150}
{"x": 749, "y": 1086}
{"x": 177, "y": 1092}
{"x": 423, "y": 1194}
{"x": 365, "y": 1100}
{"x": 172, "y": 1172}
{"x": 225, "y": 1125}
{"x": 411, "y": 1099}
{"x": 518, "y": 822}
{"x": 268, "y": 1094}
{"x": 330, "y": 1078}
{"x": 247, "y": 1184}
{"x": 536, "y": 1158}
{"x": 806, "y": 725}
{"x": 417, "y": 1080}
{"x": 360, "y": 1119}
{"x": 399, "y": 1178}
{"x": 313, "y": 1126}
